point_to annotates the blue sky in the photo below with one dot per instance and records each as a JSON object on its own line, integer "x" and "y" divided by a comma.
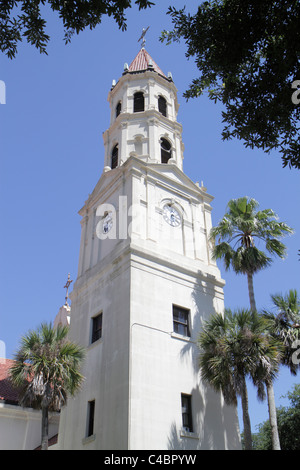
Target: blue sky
{"x": 51, "y": 157}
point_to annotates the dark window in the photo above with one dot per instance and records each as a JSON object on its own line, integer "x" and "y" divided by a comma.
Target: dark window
{"x": 181, "y": 321}
{"x": 114, "y": 157}
{"x": 165, "y": 147}
{"x": 96, "y": 328}
{"x": 90, "y": 418}
{"x": 138, "y": 102}
{"x": 186, "y": 410}
{"x": 162, "y": 105}
{"x": 118, "y": 109}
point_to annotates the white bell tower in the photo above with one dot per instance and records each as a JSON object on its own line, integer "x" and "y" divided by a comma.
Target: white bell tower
{"x": 146, "y": 282}
{"x": 143, "y": 115}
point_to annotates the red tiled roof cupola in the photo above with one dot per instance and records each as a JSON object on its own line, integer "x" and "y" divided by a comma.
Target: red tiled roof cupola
{"x": 143, "y": 61}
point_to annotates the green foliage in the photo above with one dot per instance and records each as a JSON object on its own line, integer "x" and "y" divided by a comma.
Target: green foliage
{"x": 247, "y": 52}
{"x": 288, "y": 419}
{"x": 46, "y": 367}
{"x": 237, "y": 231}
{"x": 22, "y": 18}
{"x": 284, "y": 324}
{"x": 234, "y": 346}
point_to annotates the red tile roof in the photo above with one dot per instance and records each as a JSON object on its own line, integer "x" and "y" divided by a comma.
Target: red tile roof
{"x": 7, "y": 392}
{"x": 51, "y": 441}
{"x": 141, "y": 62}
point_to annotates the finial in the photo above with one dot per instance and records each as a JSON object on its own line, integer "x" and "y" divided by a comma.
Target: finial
{"x": 67, "y": 287}
{"x": 143, "y": 37}
{"x": 203, "y": 187}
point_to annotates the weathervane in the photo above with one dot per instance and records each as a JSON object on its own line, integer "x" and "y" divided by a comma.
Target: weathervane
{"x": 143, "y": 37}
{"x": 67, "y": 287}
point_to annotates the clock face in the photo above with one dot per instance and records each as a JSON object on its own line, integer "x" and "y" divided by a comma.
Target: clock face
{"x": 107, "y": 223}
{"x": 171, "y": 215}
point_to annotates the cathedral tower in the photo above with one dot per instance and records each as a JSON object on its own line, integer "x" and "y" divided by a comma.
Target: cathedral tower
{"x": 146, "y": 283}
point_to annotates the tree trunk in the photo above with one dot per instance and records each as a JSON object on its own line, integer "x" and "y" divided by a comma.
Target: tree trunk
{"x": 246, "y": 417}
{"x": 251, "y": 291}
{"x": 273, "y": 417}
{"x": 44, "y": 445}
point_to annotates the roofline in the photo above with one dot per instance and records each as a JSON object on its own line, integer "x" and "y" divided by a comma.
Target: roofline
{"x": 131, "y": 76}
{"x": 148, "y": 69}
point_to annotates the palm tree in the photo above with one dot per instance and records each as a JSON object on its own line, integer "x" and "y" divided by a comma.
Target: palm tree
{"x": 285, "y": 325}
{"x": 46, "y": 369}
{"x": 236, "y": 234}
{"x": 233, "y": 347}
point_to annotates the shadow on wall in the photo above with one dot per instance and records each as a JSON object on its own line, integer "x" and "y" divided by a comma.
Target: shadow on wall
{"x": 216, "y": 424}
{"x": 215, "y": 427}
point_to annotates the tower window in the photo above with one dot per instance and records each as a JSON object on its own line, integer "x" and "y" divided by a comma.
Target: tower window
{"x": 181, "y": 320}
{"x": 162, "y": 105}
{"x": 114, "y": 157}
{"x": 186, "y": 410}
{"x": 118, "y": 109}
{"x": 96, "y": 328}
{"x": 90, "y": 418}
{"x": 138, "y": 102}
{"x": 166, "y": 151}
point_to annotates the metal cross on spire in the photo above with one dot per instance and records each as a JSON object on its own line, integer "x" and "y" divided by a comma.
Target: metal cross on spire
{"x": 142, "y": 38}
{"x": 67, "y": 287}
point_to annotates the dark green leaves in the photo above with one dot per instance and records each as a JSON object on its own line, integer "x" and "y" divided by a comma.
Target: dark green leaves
{"x": 247, "y": 53}
{"x": 234, "y": 346}
{"x": 22, "y": 18}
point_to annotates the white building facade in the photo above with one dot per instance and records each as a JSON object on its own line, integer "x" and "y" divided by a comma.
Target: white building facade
{"x": 146, "y": 283}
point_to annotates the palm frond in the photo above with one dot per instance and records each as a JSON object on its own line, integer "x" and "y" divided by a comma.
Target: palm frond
{"x": 47, "y": 367}
{"x": 235, "y": 345}
{"x": 284, "y": 325}
{"x": 234, "y": 236}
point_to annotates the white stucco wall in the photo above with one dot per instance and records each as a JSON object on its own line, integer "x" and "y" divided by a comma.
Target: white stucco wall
{"x": 106, "y": 365}
{"x": 20, "y": 428}
{"x": 164, "y": 364}
{"x": 137, "y": 371}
